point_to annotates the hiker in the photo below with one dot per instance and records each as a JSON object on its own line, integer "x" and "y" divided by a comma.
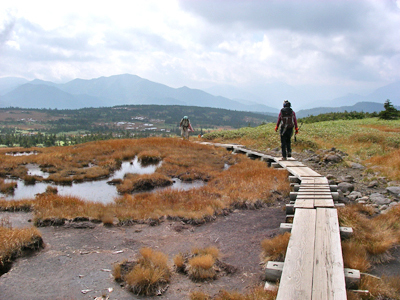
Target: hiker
{"x": 287, "y": 120}
{"x": 185, "y": 127}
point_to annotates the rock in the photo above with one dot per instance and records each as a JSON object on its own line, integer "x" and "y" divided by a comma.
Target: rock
{"x": 379, "y": 199}
{"x": 341, "y": 196}
{"x": 383, "y": 207}
{"x": 373, "y": 184}
{"x": 330, "y": 177}
{"x": 332, "y": 182}
{"x": 363, "y": 199}
{"x": 354, "y": 195}
{"x": 383, "y": 180}
{"x": 357, "y": 166}
{"x": 346, "y": 187}
{"x": 392, "y": 204}
{"x": 270, "y": 287}
{"x": 334, "y": 158}
{"x": 394, "y": 190}
{"x": 349, "y": 178}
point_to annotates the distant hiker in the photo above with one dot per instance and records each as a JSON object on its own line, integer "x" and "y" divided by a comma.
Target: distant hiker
{"x": 185, "y": 127}
{"x": 287, "y": 120}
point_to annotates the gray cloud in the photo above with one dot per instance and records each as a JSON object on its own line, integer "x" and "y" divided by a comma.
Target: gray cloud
{"x": 209, "y": 42}
{"x": 314, "y": 16}
{"x": 6, "y": 29}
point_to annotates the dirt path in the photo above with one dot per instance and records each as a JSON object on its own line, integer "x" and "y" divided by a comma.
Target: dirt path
{"x": 76, "y": 260}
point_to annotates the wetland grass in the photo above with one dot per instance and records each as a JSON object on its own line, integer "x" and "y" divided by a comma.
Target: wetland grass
{"x": 274, "y": 249}
{"x": 13, "y": 243}
{"x": 148, "y": 275}
{"x": 256, "y": 293}
{"x": 138, "y": 183}
{"x": 7, "y": 187}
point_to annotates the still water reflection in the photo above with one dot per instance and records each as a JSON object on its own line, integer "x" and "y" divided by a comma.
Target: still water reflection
{"x": 98, "y": 191}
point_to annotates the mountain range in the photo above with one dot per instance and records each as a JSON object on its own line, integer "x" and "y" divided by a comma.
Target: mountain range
{"x": 110, "y": 91}
{"x": 131, "y": 89}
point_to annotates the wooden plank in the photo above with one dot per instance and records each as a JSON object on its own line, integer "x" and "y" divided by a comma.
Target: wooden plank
{"x": 329, "y": 280}
{"x": 297, "y": 275}
{"x": 303, "y": 172}
{"x": 315, "y": 187}
{"x": 291, "y": 163}
{"x": 315, "y": 180}
{"x": 327, "y": 197}
{"x": 304, "y": 203}
{"x": 314, "y": 192}
{"x": 324, "y": 203}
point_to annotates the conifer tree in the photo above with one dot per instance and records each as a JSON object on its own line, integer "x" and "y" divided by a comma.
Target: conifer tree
{"x": 390, "y": 112}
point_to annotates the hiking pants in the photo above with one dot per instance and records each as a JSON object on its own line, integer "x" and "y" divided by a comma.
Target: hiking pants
{"x": 185, "y": 132}
{"x": 286, "y": 135}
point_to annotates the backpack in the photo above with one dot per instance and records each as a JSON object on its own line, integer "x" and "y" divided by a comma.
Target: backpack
{"x": 185, "y": 123}
{"x": 287, "y": 117}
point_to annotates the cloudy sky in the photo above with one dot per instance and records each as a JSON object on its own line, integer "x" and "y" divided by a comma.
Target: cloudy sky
{"x": 341, "y": 45}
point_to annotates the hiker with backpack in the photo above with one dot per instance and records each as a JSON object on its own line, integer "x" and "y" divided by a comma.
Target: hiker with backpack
{"x": 185, "y": 127}
{"x": 287, "y": 120}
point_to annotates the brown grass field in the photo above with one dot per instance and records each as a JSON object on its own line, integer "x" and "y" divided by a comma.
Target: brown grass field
{"x": 245, "y": 183}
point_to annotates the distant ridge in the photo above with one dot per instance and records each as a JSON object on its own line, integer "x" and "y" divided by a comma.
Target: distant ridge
{"x": 123, "y": 89}
{"x": 128, "y": 89}
{"x": 369, "y": 107}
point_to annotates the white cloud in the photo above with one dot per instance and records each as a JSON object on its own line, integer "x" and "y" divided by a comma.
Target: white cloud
{"x": 203, "y": 43}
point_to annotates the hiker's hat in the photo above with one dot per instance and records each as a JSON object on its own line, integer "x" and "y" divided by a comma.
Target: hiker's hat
{"x": 286, "y": 103}
{"x": 185, "y": 117}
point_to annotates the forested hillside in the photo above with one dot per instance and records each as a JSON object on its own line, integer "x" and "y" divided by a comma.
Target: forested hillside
{"x": 29, "y": 127}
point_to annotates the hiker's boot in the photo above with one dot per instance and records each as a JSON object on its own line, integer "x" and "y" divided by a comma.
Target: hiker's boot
{"x": 289, "y": 154}
{"x": 284, "y": 158}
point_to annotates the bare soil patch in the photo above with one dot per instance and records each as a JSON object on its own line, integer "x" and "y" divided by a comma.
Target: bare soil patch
{"x": 77, "y": 263}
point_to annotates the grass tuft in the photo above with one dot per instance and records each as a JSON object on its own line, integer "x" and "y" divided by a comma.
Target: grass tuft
{"x": 147, "y": 276}
{"x": 200, "y": 268}
{"x": 275, "y": 249}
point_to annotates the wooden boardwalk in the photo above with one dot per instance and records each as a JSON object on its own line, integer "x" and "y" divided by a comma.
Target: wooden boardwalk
{"x": 313, "y": 267}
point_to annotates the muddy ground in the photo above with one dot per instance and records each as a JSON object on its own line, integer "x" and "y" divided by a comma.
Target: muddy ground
{"x": 76, "y": 263}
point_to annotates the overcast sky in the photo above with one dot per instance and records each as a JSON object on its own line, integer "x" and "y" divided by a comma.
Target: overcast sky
{"x": 353, "y": 45}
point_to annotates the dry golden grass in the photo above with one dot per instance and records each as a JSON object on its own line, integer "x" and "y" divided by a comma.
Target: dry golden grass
{"x": 389, "y": 164}
{"x": 14, "y": 241}
{"x": 200, "y": 267}
{"x": 355, "y": 256}
{"x": 373, "y": 237}
{"x": 7, "y": 187}
{"x": 51, "y": 206}
{"x": 179, "y": 262}
{"x": 149, "y": 157}
{"x": 148, "y": 275}
{"x": 198, "y": 295}
{"x": 213, "y": 251}
{"x": 16, "y": 205}
{"x": 256, "y": 293}
{"x": 275, "y": 249}
{"x": 384, "y": 288}
{"x": 145, "y": 182}
{"x": 246, "y": 183}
